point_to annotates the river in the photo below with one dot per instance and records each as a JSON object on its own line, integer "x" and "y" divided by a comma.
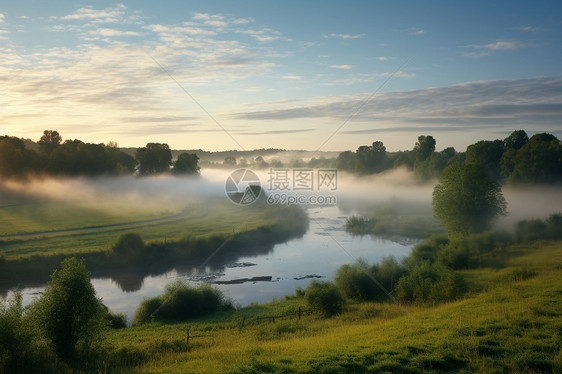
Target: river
{"x": 317, "y": 255}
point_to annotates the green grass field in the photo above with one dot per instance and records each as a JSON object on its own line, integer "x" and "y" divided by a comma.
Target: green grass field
{"x": 43, "y": 227}
{"x": 509, "y": 322}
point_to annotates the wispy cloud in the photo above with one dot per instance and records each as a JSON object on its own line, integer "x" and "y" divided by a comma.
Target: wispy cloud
{"x": 1, "y": 18}
{"x": 114, "y": 32}
{"x": 274, "y": 132}
{"x": 243, "y": 21}
{"x": 527, "y": 28}
{"x": 107, "y": 15}
{"x": 292, "y": 77}
{"x": 344, "y": 36}
{"x": 492, "y": 104}
{"x": 344, "y": 67}
{"x": 418, "y": 32}
{"x": 481, "y": 50}
{"x": 263, "y": 35}
{"x": 367, "y": 78}
{"x": 215, "y": 20}
{"x": 502, "y": 45}
{"x": 162, "y": 118}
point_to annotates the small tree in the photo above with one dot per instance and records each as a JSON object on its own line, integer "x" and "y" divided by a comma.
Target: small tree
{"x": 467, "y": 200}
{"x": 324, "y": 297}
{"x": 69, "y": 311}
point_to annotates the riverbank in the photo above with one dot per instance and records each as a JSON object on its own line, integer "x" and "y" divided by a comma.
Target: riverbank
{"x": 505, "y": 323}
{"x": 213, "y": 241}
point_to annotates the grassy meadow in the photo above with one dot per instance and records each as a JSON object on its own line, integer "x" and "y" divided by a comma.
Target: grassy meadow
{"x": 46, "y": 227}
{"x": 508, "y": 322}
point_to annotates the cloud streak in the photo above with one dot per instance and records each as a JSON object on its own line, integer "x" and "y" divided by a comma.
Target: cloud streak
{"x": 342, "y": 67}
{"x": 344, "y": 36}
{"x": 490, "y": 104}
{"x": 481, "y": 50}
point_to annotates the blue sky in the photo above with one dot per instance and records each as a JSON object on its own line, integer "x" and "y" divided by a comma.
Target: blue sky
{"x": 221, "y": 75}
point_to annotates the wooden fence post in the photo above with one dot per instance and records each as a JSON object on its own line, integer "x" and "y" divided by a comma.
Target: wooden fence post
{"x": 300, "y": 312}
{"x": 187, "y": 336}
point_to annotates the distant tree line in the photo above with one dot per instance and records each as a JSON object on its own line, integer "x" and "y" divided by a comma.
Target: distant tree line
{"x": 74, "y": 157}
{"x": 516, "y": 159}
{"x": 259, "y": 162}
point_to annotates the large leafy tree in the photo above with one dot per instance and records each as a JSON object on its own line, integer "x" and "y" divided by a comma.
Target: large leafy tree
{"x": 50, "y": 140}
{"x": 516, "y": 140}
{"x": 346, "y": 161}
{"x": 488, "y": 154}
{"x": 371, "y": 159}
{"x": 539, "y": 160}
{"x": 15, "y": 159}
{"x": 68, "y": 312}
{"x": 187, "y": 163}
{"x": 467, "y": 200}
{"x": 155, "y": 158}
{"x": 424, "y": 148}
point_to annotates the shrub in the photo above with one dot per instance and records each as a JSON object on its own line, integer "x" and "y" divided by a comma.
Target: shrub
{"x": 354, "y": 281}
{"x": 464, "y": 252}
{"x": 324, "y": 297}
{"x": 359, "y": 281}
{"x": 428, "y": 283}
{"x": 521, "y": 274}
{"x": 117, "y": 320}
{"x": 427, "y": 250}
{"x": 128, "y": 244}
{"x": 359, "y": 225}
{"x": 389, "y": 272}
{"x": 14, "y": 338}
{"x": 536, "y": 229}
{"x": 458, "y": 251}
{"x": 180, "y": 302}
{"x": 146, "y": 310}
{"x": 456, "y": 255}
{"x": 554, "y": 226}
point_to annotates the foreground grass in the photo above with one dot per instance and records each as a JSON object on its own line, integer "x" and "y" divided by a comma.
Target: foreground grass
{"x": 510, "y": 322}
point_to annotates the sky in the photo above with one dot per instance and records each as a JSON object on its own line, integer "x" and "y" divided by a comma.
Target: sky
{"x": 307, "y": 75}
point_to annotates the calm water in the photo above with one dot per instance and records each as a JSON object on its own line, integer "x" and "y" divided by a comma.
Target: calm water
{"x": 320, "y": 252}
